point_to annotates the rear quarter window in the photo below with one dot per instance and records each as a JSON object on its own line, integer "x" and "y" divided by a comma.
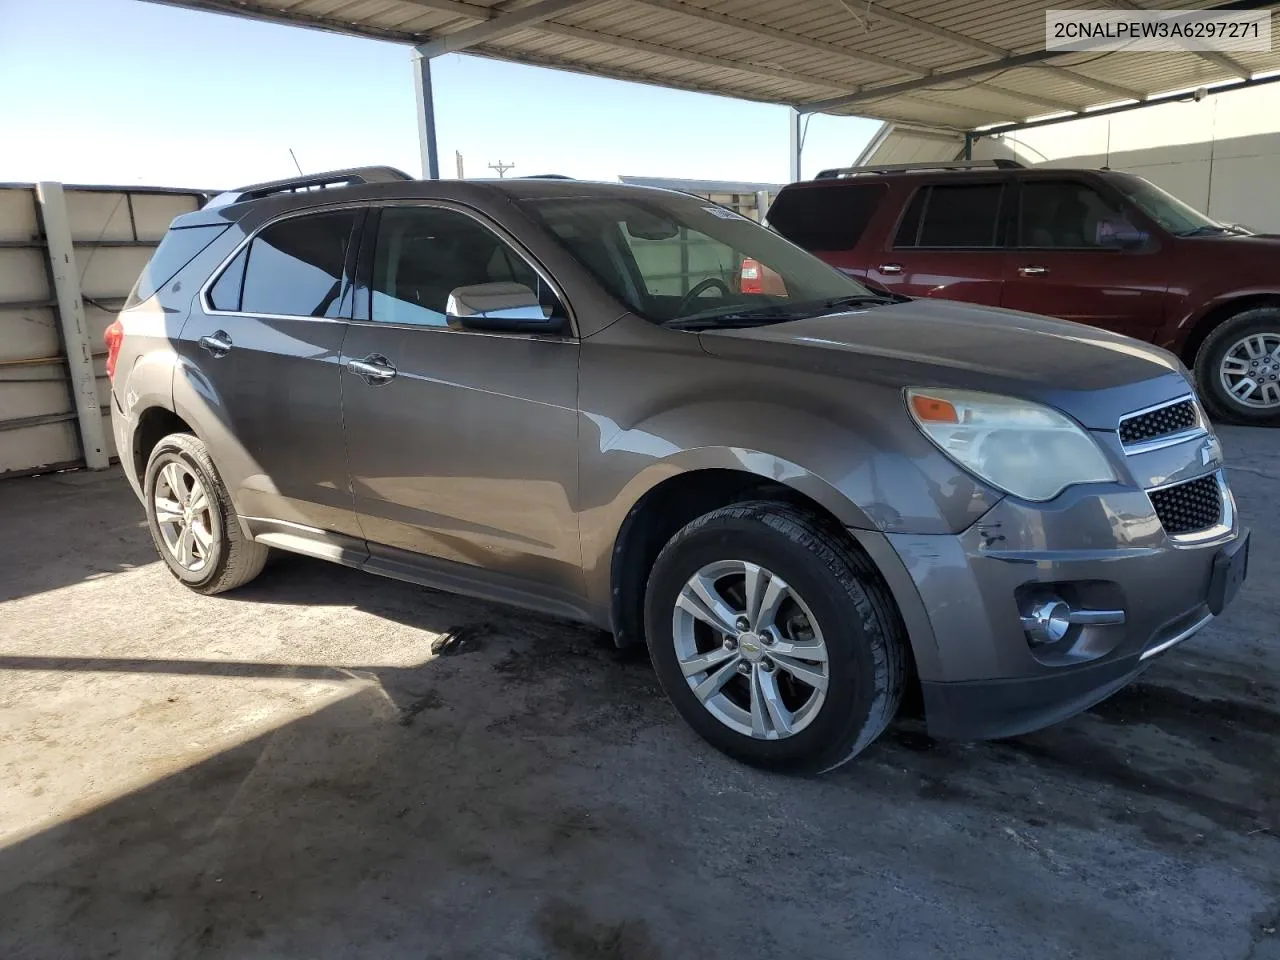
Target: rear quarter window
{"x": 179, "y": 247}
{"x": 830, "y": 217}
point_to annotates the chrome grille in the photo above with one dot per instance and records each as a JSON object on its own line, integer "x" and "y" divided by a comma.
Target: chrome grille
{"x": 1188, "y": 507}
{"x": 1177, "y": 417}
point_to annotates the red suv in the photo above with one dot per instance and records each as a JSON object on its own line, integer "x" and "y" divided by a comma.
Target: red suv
{"x": 1096, "y": 246}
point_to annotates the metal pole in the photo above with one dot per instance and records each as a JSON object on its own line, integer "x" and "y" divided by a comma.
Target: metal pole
{"x": 794, "y": 125}
{"x": 426, "y": 117}
{"x": 75, "y": 333}
{"x": 968, "y": 146}
{"x": 762, "y": 204}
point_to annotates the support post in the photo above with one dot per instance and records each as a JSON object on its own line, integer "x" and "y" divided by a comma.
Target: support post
{"x": 75, "y": 333}
{"x": 426, "y": 117}
{"x": 762, "y": 204}
{"x": 796, "y": 145}
{"x": 968, "y": 146}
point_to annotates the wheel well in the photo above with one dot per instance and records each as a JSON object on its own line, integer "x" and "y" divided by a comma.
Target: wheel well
{"x": 664, "y": 510}
{"x": 154, "y": 425}
{"x": 1206, "y": 324}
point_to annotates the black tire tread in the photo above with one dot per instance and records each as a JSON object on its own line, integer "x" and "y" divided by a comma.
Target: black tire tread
{"x": 865, "y": 592}
{"x": 242, "y": 559}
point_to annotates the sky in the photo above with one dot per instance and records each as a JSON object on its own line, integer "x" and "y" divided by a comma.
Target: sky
{"x": 129, "y": 92}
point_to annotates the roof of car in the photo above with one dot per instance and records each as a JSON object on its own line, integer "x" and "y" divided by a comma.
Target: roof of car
{"x": 285, "y": 195}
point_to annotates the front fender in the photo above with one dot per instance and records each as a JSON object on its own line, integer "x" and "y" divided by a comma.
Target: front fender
{"x": 872, "y": 480}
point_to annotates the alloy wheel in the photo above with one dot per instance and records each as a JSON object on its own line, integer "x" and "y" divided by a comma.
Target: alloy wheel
{"x": 750, "y": 649}
{"x": 184, "y": 515}
{"x": 1250, "y": 371}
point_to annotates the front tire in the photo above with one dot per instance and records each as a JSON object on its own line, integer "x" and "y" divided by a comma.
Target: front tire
{"x": 774, "y": 637}
{"x": 192, "y": 521}
{"x": 1237, "y": 368}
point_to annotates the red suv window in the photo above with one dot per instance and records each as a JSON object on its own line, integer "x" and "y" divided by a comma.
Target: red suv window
{"x": 952, "y": 215}
{"x": 827, "y": 217}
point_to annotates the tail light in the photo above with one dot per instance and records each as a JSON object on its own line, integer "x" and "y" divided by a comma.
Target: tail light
{"x": 749, "y": 281}
{"x": 113, "y": 338}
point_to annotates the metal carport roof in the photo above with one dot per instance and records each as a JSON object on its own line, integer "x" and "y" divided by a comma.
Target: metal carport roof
{"x": 955, "y": 65}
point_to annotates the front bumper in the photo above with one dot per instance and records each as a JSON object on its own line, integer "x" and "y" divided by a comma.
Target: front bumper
{"x": 964, "y": 597}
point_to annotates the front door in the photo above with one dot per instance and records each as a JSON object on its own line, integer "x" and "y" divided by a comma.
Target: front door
{"x": 263, "y": 354}
{"x": 1078, "y": 256}
{"x": 464, "y": 447}
{"x": 949, "y": 244}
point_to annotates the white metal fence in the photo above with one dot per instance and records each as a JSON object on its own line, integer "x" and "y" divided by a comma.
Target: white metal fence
{"x": 68, "y": 258}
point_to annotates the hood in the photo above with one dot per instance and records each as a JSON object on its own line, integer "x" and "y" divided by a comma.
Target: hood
{"x": 1094, "y": 375}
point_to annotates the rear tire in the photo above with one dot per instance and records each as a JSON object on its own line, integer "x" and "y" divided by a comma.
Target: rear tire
{"x": 1239, "y": 350}
{"x": 832, "y": 597}
{"x": 192, "y": 521}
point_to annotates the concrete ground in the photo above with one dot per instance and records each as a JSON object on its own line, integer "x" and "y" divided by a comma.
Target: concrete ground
{"x": 288, "y": 771}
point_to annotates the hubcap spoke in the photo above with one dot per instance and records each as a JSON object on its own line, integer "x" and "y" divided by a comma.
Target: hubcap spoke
{"x": 764, "y": 690}
{"x": 168, "y": 511}
{"x": 1245, "y": 388}
{"x": 1235, "y": 365}
{"x": 765, "y": 613}
{"x": 699, "y": 598}
{"x": 184, "y": 547}
{"x": 199, "y": 502}
{"x": 706, "y": 661}
{"x": 1256, "y": 347}
{"x": 716, "y": 681}
{"x": 175, "y": 479}
{"x": 814, "y": 650}
{"x": 203, "y": 537}
{"x": 804, "y": 672}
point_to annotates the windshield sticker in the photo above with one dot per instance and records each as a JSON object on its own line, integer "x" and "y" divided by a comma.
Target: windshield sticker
{"x": 723, "y": 213}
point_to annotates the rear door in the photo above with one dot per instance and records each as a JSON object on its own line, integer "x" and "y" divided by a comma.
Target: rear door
{"x": 1078, "y": 255}
{"x": 949, "y": 243}
{"x": 262, "y": 348}
{"x": 467, "y": 451}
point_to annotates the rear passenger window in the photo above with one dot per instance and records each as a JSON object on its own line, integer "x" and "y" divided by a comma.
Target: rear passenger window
{"x": 225, "y": 293}
{"x": 295, "y": 266}
{"x": 952, "y": 215}
{"x": 827, "y": 218}
{"x": 178, "y": 248}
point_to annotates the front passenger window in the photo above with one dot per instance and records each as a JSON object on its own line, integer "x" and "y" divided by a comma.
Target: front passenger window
{"x": 422, "y": 254}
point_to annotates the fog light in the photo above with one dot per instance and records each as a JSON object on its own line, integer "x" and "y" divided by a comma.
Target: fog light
{"x": 1050, "y": 620}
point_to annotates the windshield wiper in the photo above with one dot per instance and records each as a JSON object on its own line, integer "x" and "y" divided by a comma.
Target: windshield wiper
{"x": 748, "y": 318}
{"x": 1208, "y": 229}
{"x": 864, "y": 299}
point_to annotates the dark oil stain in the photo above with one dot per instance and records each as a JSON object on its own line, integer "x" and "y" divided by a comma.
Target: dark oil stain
{"x": 572, "y": 936}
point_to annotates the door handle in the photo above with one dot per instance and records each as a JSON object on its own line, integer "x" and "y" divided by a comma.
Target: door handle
{"x": 1032, "y": 270}
{"x": 373, "y": 369}
{"x": 890, "y": 268}
{"x": 217, "y": 343}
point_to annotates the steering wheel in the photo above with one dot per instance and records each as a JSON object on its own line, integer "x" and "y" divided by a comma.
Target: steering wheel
{"x": 699, "y": 289}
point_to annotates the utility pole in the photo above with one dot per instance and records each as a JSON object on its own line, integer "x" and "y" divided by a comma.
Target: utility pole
{"x": 502, "y": 168}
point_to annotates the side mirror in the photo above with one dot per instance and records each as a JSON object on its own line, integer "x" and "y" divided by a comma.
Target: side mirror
{"x": 510, "y": 307}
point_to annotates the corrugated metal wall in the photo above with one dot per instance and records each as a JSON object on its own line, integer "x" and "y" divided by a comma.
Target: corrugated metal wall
{"x": 114, "y": 231}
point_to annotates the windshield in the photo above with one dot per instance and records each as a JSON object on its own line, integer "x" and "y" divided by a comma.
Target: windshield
{"x": 1164, "y": 208}
{"x": 680, "y": 260}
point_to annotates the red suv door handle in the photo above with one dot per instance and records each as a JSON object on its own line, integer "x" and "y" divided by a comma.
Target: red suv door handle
{"x": 890, "y": 268}
{"x": 1032, "y": 270}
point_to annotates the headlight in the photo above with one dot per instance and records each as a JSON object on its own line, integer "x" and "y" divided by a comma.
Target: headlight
{"x": 1025, "y": 449}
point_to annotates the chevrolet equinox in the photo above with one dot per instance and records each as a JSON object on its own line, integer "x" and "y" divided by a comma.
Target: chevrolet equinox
{"x": 560, "y": 395}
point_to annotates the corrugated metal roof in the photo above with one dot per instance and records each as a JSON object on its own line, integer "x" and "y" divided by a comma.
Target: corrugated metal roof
{"x": 838, "y": 53}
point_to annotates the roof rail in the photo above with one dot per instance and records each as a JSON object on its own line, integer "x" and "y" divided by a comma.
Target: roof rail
{"x": 998, "y": 164}
{"x": 315, "y": 181}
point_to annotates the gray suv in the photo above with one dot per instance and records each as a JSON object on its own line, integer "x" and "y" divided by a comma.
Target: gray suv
{"x": 804, "y": 496}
